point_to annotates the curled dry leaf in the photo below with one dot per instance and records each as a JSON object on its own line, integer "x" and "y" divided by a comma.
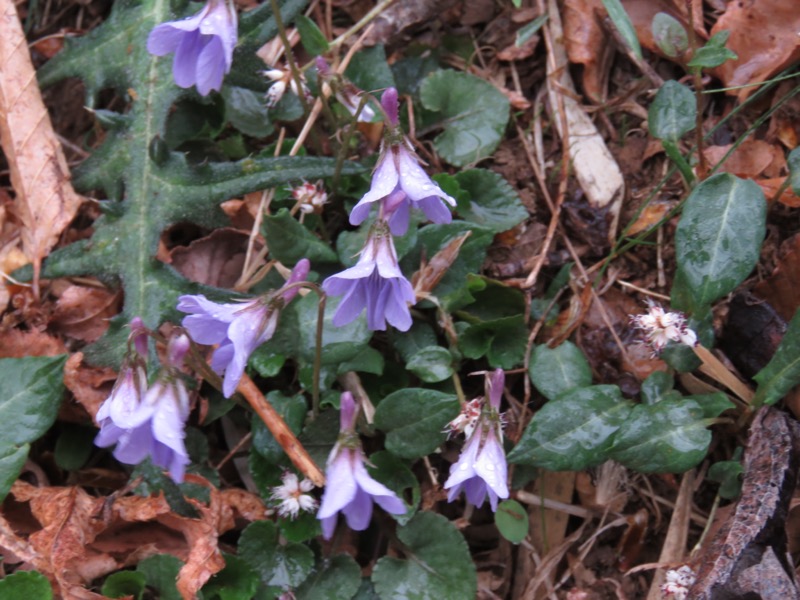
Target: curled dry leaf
{"x": 83, "y": 312}
{"x": 90, "y": 385}
{"x": 431, "y": 273}
{"x": 45, "y": 199}
{"x": 780, "y": 288}
{"x": 763, "y": 36}
{"x": 216, "y": 259}
{"x": 15, "y": 343}
{"x": 749, "y": 160}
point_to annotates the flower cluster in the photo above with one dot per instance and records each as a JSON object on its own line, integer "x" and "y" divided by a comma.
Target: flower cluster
{"x": 677, "y": 583}
{"x": 349, "y": 488}
{"x": 146, "y": 422}
{"x": 238, "y": 328}
{"x": 292, "y": 496}
{"x": 660, "y": 327}
{"x": 481, "y": 469}
{"x": 203, "y": 45}
{"x": 399, "y": 184}
{"x": 310, "y": 197}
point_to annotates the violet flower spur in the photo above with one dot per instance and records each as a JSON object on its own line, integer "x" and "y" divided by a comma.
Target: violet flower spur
{"x": 399, "y": 182}
{"x": 203, "y": 45}
{"x": 349, "y": 488}
{"x": 375, "y": 283}
{"x": 149, "y": 422}
{"x": 481, "y": 469}
{"x": 237, "y": 328}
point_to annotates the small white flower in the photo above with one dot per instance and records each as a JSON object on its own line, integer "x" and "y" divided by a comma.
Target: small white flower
{"x": 293, "y": 496}
{"x": 677, "y": 583}
{"x": 467, "y": 418}
{"x": 310, "y": 196}
{"x": 660, "y": 327}
{"x": 283, "y": 80}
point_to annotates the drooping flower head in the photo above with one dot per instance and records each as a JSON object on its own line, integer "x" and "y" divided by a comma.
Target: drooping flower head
{"x": 375, "y": 283}
{"x": 283, "y": 79}
{"x": 237, "y": 328}
{"x": 481, "y": 469}
{"x": 346, "y": 93}
{"x": 203, "y": 45}
{"x": 349, "y": 489}
{"x": 292, "y": 496}
{"x": 149, "y": 422}
{"x": 659, "y": 327}
{"x": 399, "y": 183}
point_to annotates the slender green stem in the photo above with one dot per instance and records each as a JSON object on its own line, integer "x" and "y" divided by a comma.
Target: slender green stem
{"x": 683, "y": 166}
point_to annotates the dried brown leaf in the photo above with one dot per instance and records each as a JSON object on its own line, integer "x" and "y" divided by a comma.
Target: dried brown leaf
{"x": 90, "y": 385}
{"x": 216, "y": 259}
{"x": 16, "y": 343}
{"x": 45, "y": 199}
{"x": 83, "y": 312}
{"x": 780, "y": 289}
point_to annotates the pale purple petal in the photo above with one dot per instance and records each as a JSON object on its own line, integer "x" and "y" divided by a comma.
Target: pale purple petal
{"x": 390, "y": 105}
{"x": 298, "y": 274}
{"x": 359, "y": 512}
{"x": 414, "y": 180}
{"x": 360, "y": 213}
{"x": 396, "y": 309}
{"x": 348, "y": 412}
{"x": 109, "y": 434}
{"x": 435, "y": 210}
{"x": 211, "y": 66}
{"x": 475, "y": 491}
{"x": 340, "y": 488}
{"x": 385, "y": 497}
{"x": 384, "y": 180}
{"x": 350, "y": 305}
{"x": 400, "y": 217}
{"x": 134, "y": 445}
{"x": 184, "y": 65}
{"x": 491, "y": 466}
{"x": 464, "y": 469}
{"x": 496, "y": 383}
{"x": 328, "y": 525}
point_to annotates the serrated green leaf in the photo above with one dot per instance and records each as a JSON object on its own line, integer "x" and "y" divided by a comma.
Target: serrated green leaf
{"x": 488, "y": 200}
{"x": 782, "y": 372}
{"x": 474, "y": 115}
{"x": 669, "y": 35}
{"x": 719, "y": 236}
{"x": 311, "y": 37}
{"x": 124, "y": 583}
{"x": 161, "y": 572}
{"x": 437, "y": 566}
{"x": 511, "y": 519}
{"x": 30, "y": 585}
{"x": 555, "y": 371}
{"x": 623, "y": 24}
{"x": 574, "y": 431}
{"x": 431, "y": 364}
{"x": 237, "y": 581}
{"x": 30, "y": 395}
{"x": 414, "y": 420}
{"x": 276, "y": 564}
{"x": 337, "y": 578}
{"x": 668, "y": 437}
{"x": 673, "y": 112}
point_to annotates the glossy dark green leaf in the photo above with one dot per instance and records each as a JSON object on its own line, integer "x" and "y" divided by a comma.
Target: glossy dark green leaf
{"x": 369, "y": 70}
{"x": 502, "y": 341}
{"x": 283, "y": 565}
{"x": 668, "y": 437}
{"x": 624, "y": 25}
{"x": 669, "y": 35}
{"x": 782, "y": 372}
{"x": 161, "y": 572}
{"x": 27, "y": 585}
{"x": 489, "y": 200}
{"x": 573, "y": 432}
{"x": 293, "y": 411}
{"x": 555, "y": 371}
{"x": 247, "y": 111}
{"x": 728, "y": 473}
{"x": 657, "y": 387}
{"x": 395, "y": 474}
{"x": 73, "y": 446}
{"x": 237, "y": 581}
{"x": 289, "y": 241}
{"x": 511, "y": 519}
{"x": 474, "y": 115}
{"x": 719, "y": 236}
{"x": 713, "y": 53}
{"x": 336, "y": 578}
{"x": 414, "y": 420}
{"x": 673, "y": 112}
{"x": 124, "y": 583}
{"x": 436, "y": 565}
{"x": 431, "y": 364}
{"x": 30, "y": 395}
{"x": 312, "y": 38}
{"x": 408, "y": 343}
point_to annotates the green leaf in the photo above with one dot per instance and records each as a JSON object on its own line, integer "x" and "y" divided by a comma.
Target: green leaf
{"x": 266, "y": 362}
{"x": 431, "y": 364}
{"x": 30, "y": 395}
{"x": 658, "y": 387}
{"x": 573, "y": 432}
{"x": 719, "y": 236}
{"x": 623, "y": 24}
{"x": 488, "y": 200}
{"x": 474, "y": 115}
{"x": 73, "y": 446}
{"x": 511, "y": 519}
{"x": 369, "y": 70}
{"x": 555, "y": 371}
{"x": 293, "y": 410}
{"x": 305, "y": 527}
{"x": 247, "y": 111}
{"x": 793, "y": 161}
{"x": 782, "y": 372}
{"x": 669, "y": 35}
{"x": 414, "y": 420}
{"x": 502, "y": 341}
{"x": 437, "y": 566}
{"x": 279, "y": 565}
{"x": 528, "y": 30}
{"x": 728, "y": 473}
{"x": 367, "y": 360}
{"x": 312, "y": 38}
{"x": 236, "y": 581}
{"x": 124, "y": 583}
{"x": 673, "y": 112}
{"x": 714, "y": 53}
{"x": 393, "y": 472}
{"x": 668, "y": 437}
{"x": 27, "y": 585}
{"x": 289, "y": 241}
{"x": 332, "y": 579}
{"x": 408, "y": 343}
{"x": 320, "y": 435}
{"x": 493, "y": 300}
{"x": 161, "y": 572}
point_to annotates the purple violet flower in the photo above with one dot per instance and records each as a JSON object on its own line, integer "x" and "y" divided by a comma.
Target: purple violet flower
{"x": 349, "y": 488}
{"x": 203, "y": 45}
{"x": 481, "y": 468}
{"x": 399, "y": 182}
{"x": 238, "y": 328}
{"x": 375, "y": 283}
{"x": 148, "y": 422}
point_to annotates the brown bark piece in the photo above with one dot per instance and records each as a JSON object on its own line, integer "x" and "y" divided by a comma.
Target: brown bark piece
{"x": 46, "y": 201}
{"x": 751, "y": 544}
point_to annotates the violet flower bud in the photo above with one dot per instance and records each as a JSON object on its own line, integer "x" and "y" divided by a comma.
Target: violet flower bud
{"x": 203, "y": 45}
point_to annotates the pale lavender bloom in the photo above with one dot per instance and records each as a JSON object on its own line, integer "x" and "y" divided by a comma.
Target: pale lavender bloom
{"x": 349, "y": 489}
{"x": 400, "y": 183}
{"x": 149, "y": 422}
{"x": 203, "y": 45}
{"x": 481, "y": 468}
{"x": 375, "y": 283}
{"x": 237, "y": 328}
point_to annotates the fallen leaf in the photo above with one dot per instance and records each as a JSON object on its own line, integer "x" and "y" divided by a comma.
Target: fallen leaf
{"x": 764, "y": 36}
{"x": 216, "y": 259}
{"x": 89, "y": 385}
{"x": 749, "y": 159}
{"x": 16, "y": 343}
{"x": 780, "y": 288}
{"x": 650, "y": 215}
{"x": 45, "y": 199}
{"x": 83, "y": 312}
